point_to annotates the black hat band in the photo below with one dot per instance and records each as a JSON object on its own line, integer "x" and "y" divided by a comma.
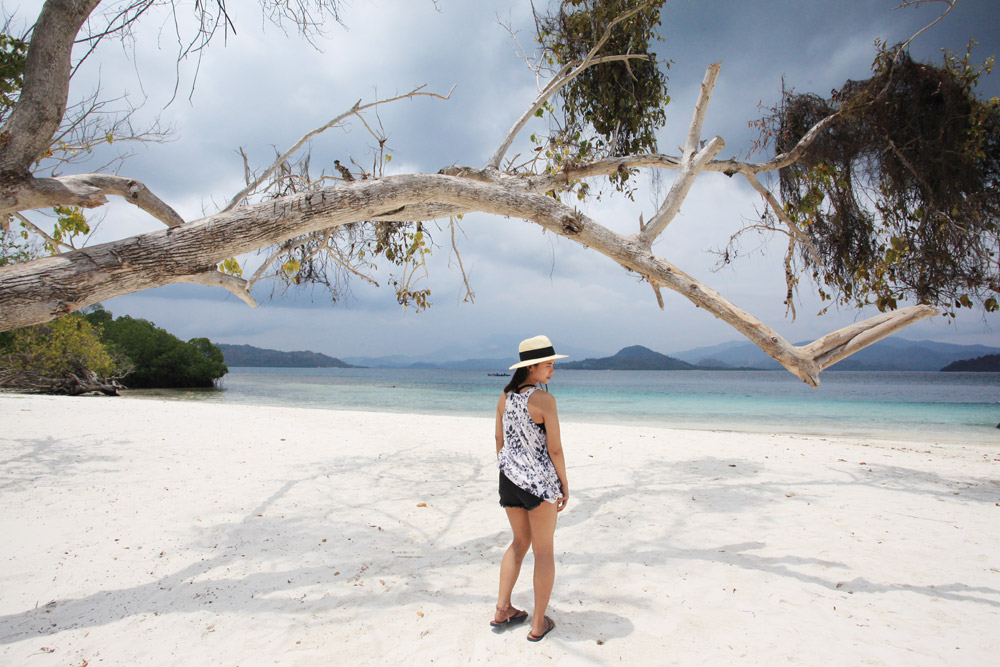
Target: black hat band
{"x": 537, "y": 354}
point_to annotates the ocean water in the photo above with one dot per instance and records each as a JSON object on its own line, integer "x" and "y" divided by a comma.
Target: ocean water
{"x": 940, "y": 407}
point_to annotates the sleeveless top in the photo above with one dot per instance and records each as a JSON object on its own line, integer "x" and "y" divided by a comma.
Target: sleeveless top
{"x": 524, "y": 458}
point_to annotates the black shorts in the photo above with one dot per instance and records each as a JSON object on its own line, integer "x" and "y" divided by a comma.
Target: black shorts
{"x": 511, "y": 495}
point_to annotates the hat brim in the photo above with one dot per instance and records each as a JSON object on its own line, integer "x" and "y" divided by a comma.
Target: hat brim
{"x": 532, "y": 362}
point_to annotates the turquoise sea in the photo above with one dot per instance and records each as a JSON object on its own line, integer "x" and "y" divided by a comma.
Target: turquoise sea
{"x": 942, "y": 407}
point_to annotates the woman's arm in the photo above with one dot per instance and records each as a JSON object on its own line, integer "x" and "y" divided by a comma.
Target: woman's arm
{"x": 499, "y": 426}
{"x": 550, "y": 417}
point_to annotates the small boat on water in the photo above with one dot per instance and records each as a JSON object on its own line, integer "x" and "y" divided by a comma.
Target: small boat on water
{"x": 499, "y": 374}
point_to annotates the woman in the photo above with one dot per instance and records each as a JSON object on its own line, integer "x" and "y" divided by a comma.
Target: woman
{"x": 533, "y": 486}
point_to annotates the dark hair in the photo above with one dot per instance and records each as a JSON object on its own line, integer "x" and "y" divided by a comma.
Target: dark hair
{"x": 520, "y": 375}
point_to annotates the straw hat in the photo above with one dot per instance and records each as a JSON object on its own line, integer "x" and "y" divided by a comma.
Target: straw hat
{"x": 535, "y": 351}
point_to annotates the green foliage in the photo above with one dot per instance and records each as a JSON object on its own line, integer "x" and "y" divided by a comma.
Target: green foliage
{"x": 613, "y": 108}
{"x": 231, "y": 267}
{"x": 67, "y": 346}
{"x": 210, "y": 352}
{"x": 159, "y": 358}
{"x": 131, "y": 349}
{"x": 70, "y": 223}
{"x": 900, "y": 196}
{"x": 406, "y": 249}
{"x": 361, "y": 246}
{"x": 21, "y": 245}
{"x": 13, "y": 54}
{"x": 15, "y": 247}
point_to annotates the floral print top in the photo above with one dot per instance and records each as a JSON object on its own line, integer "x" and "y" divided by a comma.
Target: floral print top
{"x": 524, "y": 458}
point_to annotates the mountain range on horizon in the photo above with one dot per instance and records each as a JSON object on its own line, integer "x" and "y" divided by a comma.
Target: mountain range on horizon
{"x": 248, "y": 356}
{"x": 892, "y": 354}
{"x": 631, "y": 358}
{"x": 889, "y": 354}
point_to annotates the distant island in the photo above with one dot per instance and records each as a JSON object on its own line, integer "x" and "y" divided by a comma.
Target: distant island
{"x": 891, "y": 354}
{"x": 257, "y": 357}
{"x": 632, "y": 358}
{"x": 989, "y": 363}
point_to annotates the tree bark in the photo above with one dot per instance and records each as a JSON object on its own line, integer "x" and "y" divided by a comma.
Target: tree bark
{"x": 44, "y": 289}
{"x": 85, "y": 191}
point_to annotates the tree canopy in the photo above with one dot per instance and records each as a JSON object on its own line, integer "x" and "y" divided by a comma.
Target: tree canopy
{"x": 158, "y": 358}
{"x": 868, "y": 203}
{"x": 95, "y": 351}
{"x": 897, "y": 199}
{"x": 614, "y": 108}
{"x": 62, "y": 356}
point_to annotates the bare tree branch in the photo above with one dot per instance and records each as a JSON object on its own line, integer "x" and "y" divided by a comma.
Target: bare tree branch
{"x": 911, "y": 3}
{"x": 470, "y": 295}
{"x": 39, "y": 290}
{"x": 692, "y": 161}
{"x": 86, "y": 191}
{"x": 844, "y": 342}
{"x": 355, "y": 110}
{"x": 340, "y": 260}
{"x": 235, "y": 285}
{"x": 56, "y": 246}
{"x": 569, "y": 72}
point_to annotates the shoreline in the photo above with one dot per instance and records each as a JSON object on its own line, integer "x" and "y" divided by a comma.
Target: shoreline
{"x": 152, "y": 532}
{"x": 940, "y": 434}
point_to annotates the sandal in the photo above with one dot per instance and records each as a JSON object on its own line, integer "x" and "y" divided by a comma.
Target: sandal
{"x": 517, "y": 616}
{"x": 538, "y": 638}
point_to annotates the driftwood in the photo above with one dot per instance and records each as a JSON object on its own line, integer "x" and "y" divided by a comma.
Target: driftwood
{"x": 72, "y": 384}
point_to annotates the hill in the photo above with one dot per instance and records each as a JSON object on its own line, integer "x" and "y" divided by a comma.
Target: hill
{"x": 248, "y": 355}
{"x": 633, "y": 358}
{"x": 989, "y": 363}
{"x": 890, "y": 354}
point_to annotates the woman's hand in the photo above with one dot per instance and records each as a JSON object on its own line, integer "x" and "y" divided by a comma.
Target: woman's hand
{"x": 561, "y": 503}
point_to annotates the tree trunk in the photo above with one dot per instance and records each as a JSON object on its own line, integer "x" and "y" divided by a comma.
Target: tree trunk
{"x": 42, "y": 100}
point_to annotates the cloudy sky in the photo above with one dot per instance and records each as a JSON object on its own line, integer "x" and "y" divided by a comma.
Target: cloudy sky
{"x": 262, "y": 89}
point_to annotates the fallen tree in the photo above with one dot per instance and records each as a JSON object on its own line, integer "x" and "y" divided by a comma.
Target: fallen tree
{"x": 72, "y": 384}
{"x": 64, "y": 356}
{"x": 197, "y": 251}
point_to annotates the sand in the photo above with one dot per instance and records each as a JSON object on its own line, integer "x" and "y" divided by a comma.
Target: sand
{"x": 142, "y": 532}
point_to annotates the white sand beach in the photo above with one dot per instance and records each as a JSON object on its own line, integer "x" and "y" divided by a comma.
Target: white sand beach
{"x": 143, "y": 532}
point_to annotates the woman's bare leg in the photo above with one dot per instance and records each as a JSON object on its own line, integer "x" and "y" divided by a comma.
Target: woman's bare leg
{"x": 510, "y": 567}
{"x": 542, "y": 520}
